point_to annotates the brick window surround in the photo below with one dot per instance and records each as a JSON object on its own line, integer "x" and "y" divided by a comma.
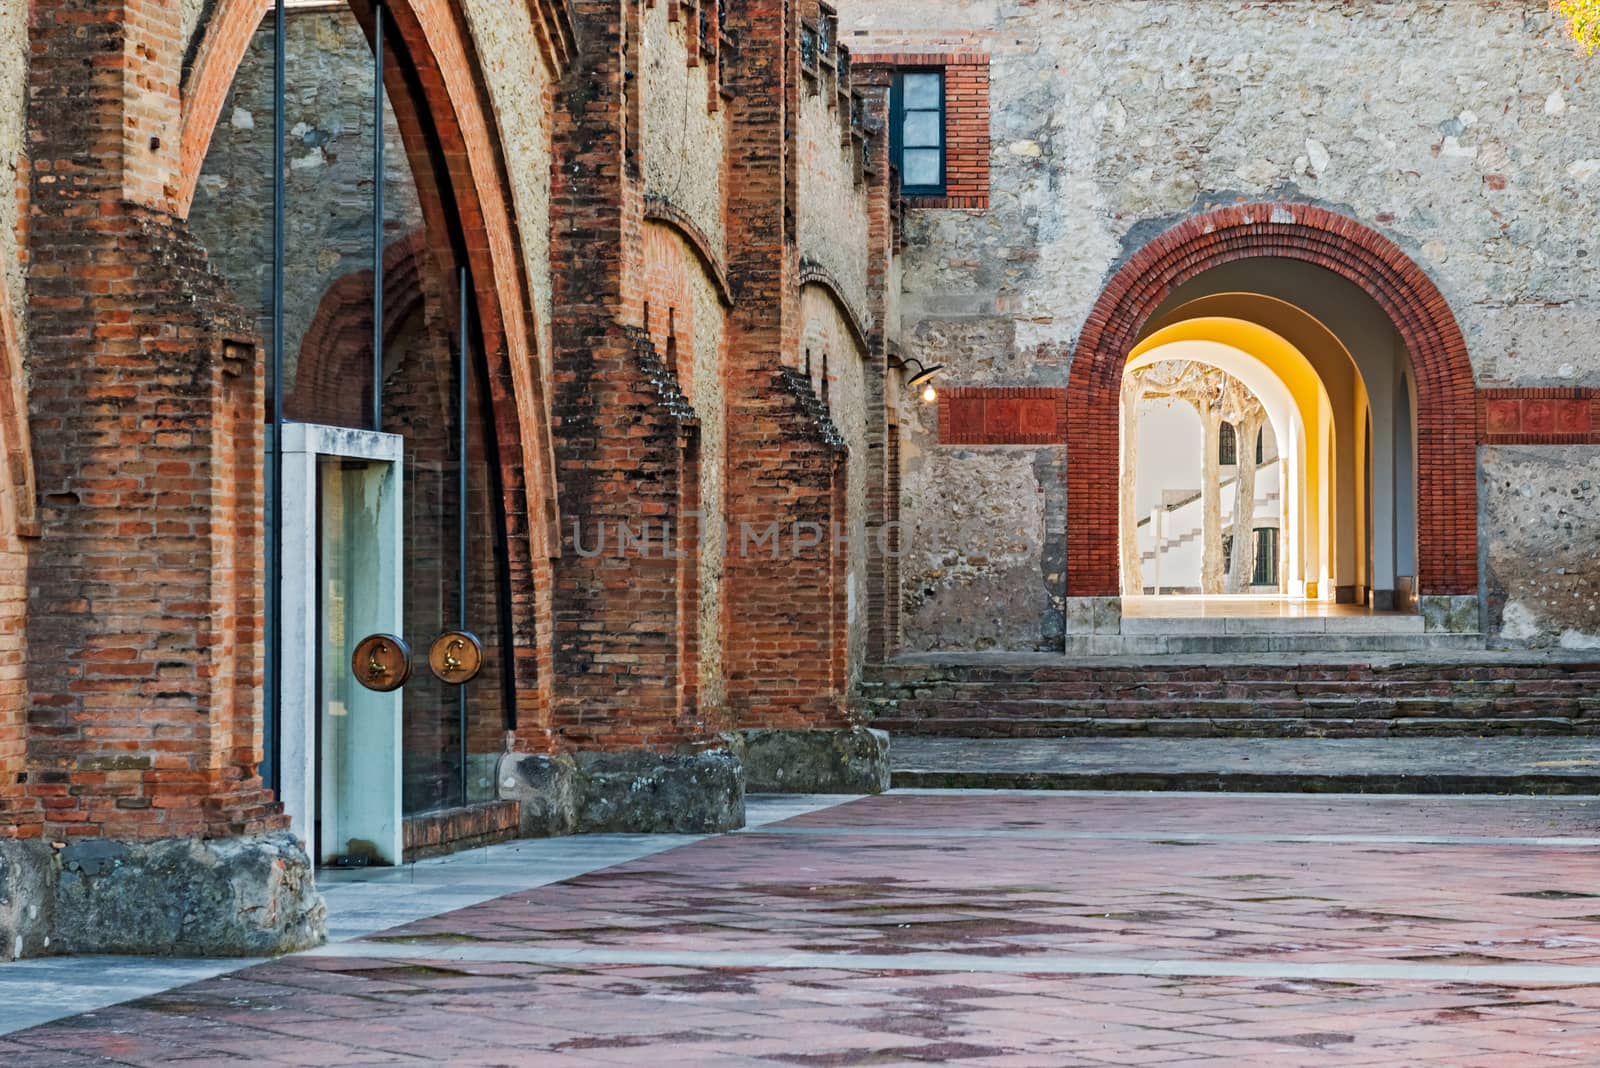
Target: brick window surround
{"x": 966, "y": 118}
{"x": 1447, "y": 405}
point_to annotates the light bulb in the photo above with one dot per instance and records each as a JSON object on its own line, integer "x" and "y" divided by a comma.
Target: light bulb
{"x": 930, "y": 395}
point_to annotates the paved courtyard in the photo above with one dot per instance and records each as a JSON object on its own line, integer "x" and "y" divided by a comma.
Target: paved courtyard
{"x": 977, "y": 928}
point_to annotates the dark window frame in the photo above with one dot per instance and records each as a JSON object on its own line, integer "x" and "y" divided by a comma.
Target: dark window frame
{"x": 897, "y": 119}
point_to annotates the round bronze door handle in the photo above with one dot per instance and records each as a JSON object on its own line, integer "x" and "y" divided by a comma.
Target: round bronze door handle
{"x": 456, "y": 657}
{"x": 382, "y": 662}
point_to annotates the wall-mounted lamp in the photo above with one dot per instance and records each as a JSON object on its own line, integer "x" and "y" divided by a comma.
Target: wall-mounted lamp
{"x": 925, "y": 375}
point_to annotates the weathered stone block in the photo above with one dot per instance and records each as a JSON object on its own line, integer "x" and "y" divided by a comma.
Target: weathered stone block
{"x": 1094, "y": 615}
{"x": 241, "y": 897}
{"x": 26, "y": 875}
{"x": 638, "y": 792}
{"x": 660, "y": 793}
{"x": 1450, "y": 615}
{"x": 813, "y": 761}
{"x": 548, "y": 789}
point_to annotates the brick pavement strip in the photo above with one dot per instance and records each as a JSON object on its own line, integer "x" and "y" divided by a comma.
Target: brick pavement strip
{"x": 987, "y": 929}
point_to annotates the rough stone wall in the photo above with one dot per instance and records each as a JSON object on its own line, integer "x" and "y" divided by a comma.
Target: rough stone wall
{"x": 328, "y": 228}
{"x": 831, "y": 204}
{"x": 683, "y": 140}
{"x": 709, "y": 398}
{"x": 1541, "y": 508}
{"x": 1475, "y": 151}
{"x": 13, "y": 149}
{"x": 190, "y": 13}
{"x": 825, "y": 332}
{"x": 520, "y": 85}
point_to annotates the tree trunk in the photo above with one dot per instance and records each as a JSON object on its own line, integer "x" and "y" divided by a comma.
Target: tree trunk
{"x": 1244, "y": 506}
{"x": 1211, "y": 563}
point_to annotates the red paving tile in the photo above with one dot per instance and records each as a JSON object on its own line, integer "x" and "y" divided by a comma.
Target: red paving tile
{"x": 882, "y": 878}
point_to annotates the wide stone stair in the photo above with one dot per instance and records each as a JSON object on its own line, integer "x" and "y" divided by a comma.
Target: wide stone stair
{"x": 1461, "y": 693}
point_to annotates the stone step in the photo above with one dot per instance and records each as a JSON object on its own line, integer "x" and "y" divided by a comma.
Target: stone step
{"x": 1041, "y": 697}
{"x": 1365, "y": 707}
{"x": 1388, "y": 764}
{"x": 1585, "y": 692}
{"x": 1132, "y": 643}
{"x": 1243, "y": 727}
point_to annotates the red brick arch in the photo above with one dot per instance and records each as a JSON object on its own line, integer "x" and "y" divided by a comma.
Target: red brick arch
{"x": 337, "y": 348}
{"x": 1447, "y": 491}
{"x": 454, "y": 106}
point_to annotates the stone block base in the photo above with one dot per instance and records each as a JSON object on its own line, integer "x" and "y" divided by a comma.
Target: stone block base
{"x": 854, "y": 761}
{"x": 1093, "y": 616}
{"x": 233, "y": 897}
{"x": 1450, "y": 615}
{"x": 638, "y": 792}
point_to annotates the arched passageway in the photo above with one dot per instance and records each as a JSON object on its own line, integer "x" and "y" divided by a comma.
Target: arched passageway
{"x": 412, "y": 479}
{"x": 1359, "y": 338}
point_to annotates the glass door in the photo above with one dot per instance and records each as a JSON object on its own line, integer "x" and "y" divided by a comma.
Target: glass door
{"x": 359, "y": 583}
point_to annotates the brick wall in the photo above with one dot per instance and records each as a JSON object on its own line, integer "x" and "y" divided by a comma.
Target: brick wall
{"x": 18, "y": 516}
{"x": 144, "y": 718}
{"x": 786, "y": 607}
{"x": 627, "y": 438}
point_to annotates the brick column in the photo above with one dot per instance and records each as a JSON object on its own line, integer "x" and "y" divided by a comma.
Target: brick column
{"x": 883, "y": 467}
{"x": 145, "y": 590}
{"x": 144, "y": 615}
{"x": 787, "y": 635}
{"x": 625, "y": 712}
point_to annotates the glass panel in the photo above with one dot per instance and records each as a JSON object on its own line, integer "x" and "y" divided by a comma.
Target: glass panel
{"x": 921, "y": 91}
{"x": 485, "y": 695}
{"x": 355, "y": 802}
{"x": 419, "y": 402}
{"x": 328, "y": 221}
{"x": 920, "y": 168}
{"x": 328, "y": 358}
{"x": 922, "y": 130}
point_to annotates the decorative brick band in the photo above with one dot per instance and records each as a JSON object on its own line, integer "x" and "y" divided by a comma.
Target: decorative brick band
{"x": 1561, "y": 416}
{"x": 966, "y": 92}
{"x": 1002, "y": 416}
{"x": 1447, "y": 410}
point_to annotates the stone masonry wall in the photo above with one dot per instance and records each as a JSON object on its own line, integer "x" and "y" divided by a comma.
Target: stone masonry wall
{"x": 521, "y": 87}
{"x": 1541, "y": 508}
{"x": 328, "y": 229}
{"x": 684, "y": 139}
{"x": 831, "y": 204}
{"x": 1475, "y": 151}
{"x": 13, "y": 150}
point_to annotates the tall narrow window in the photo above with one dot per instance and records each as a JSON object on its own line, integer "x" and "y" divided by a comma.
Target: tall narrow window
{"x": 1227, "y": 446}
{"x": 918, "y": 131}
